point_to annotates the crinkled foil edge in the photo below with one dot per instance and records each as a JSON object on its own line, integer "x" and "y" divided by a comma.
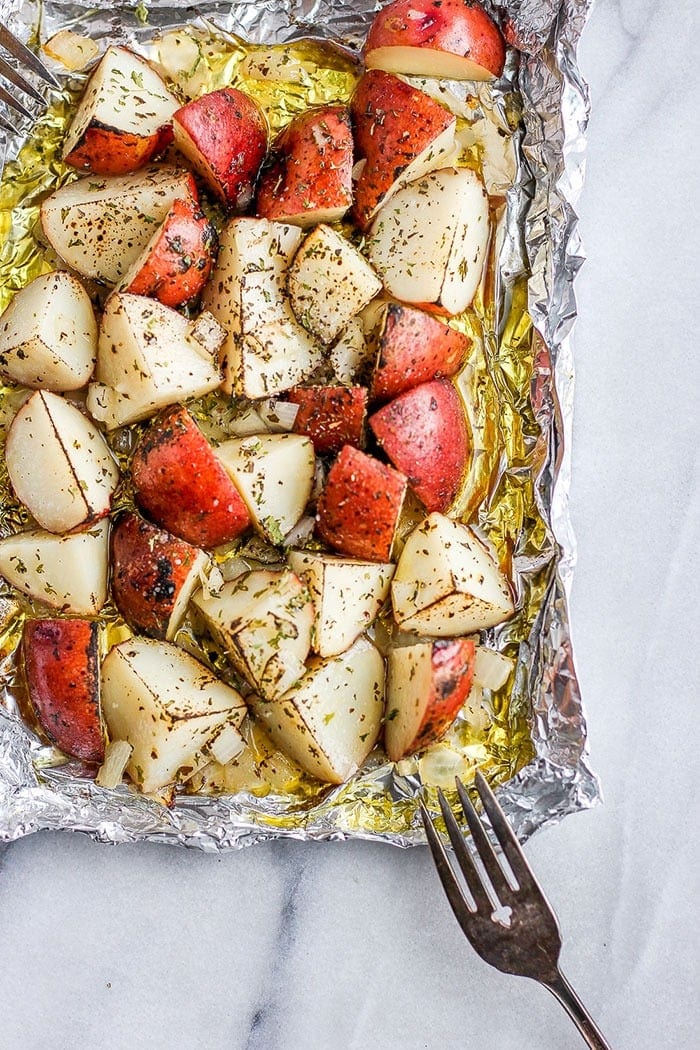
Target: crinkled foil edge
{"x": 559, "y": 780}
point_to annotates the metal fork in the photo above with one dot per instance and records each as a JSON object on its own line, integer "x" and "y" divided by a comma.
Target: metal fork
{"x": 16, "y": 49}
{"x": 530, "y": 942}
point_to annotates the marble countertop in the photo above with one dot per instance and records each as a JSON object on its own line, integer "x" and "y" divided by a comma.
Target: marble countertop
{"x": 292, "y": 946}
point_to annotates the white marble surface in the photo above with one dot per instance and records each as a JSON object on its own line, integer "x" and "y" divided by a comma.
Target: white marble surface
{"x": 346, "y": 946}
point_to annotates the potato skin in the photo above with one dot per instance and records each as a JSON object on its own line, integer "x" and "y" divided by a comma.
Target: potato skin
{"x": 61, "y": 665}
{"x": 458, "y": 27}
{"x": 393, "y": 123}
{"x": 108, "y": 151}
{"x": 424, "y": 434}
{"x": 332, "y": 416}
{"x": 311, "y": 170}
{"x": 453, "y": 673}
{"x": 224, "y": 134}
{"x": 413, "y": 349}
{"x": 149, "y": 567}
{"x": 359, "y": 508}
{"x": 179, "y": 263}
{"x": 180, "y": 483}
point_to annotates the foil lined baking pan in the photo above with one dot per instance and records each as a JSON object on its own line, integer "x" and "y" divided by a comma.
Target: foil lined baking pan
{"x": 519, "y": 382}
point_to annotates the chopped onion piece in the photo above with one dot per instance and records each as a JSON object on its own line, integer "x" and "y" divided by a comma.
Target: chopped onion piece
{"x": 278, "y": 416}
{"x": 117, "y": 755}
{"x": 491, "y": 669}
{"x": 301, "y": 533}
{"x": 209, "y": 780}
{"x": 233, "y": 567}
{"x": 474, "y": 711}
{"x": 74, "y": 52}
{"x": 247, "y": 423}
{"x": 227, "y": 743}
{"x": 439, "y": 766}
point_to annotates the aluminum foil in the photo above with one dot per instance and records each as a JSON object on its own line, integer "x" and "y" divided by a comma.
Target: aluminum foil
{"x": 535, "y": 747}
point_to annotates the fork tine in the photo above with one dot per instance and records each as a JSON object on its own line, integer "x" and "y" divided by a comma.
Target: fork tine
{"x": 505, "y": 835}
{"x": 23, "y": 54}
{"x": 450, "y": 883}
{"x": 483, "y": 846}
{"x": 464, "y": 858}
{"x": 12, "y": 102}
{"x": 7, "y": 71}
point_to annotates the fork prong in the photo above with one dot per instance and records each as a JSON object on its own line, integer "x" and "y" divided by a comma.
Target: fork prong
{"x": 464, "y": 858}
{"x": 11, "y": 74}
{"x": 505, "y": 835}
{"x": 24, "y": 55}
{"x": 449, "y": 880}
{"x": 484, "y": 848}
{"x": 12, "y": 102}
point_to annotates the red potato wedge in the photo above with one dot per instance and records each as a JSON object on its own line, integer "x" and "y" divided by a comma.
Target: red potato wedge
{"x": 123, "y": 118}
{"x": 59, "y": 464}
{"x": 168, "y": 706}
{"x": 329, "y": 282}
{"x": 224, "y": 137}
{"x": 153, "y": 575}
{"x": 347, "y": 596}
{"x": 148, "y": 357}
{"x": 182, "y": 486}
{"x": 48, "y": 334}
{"x": 68, "y": 573}
{"x": 448, "y": 582}
{"x": 330, "y": 721}
{"x": 332, "y": 416}
{"x": 310, "y": 180}
{"x": 455, "y": 39}
{"x": 100, "y": 226}
{"x": 428, "y": 244}
{"x": 62, "y": 670}
{"x": 176, "y": 263}
{"x": 262, "y": 622}
{"x": 359, "y": 508}
{"x": 427, "y": 685}
{"x": 412, "y": 348}
{"x": 267, "y": 351}
{"x": 274, "y": 474}
{"x": 424, "y": 434}
{"x": 400, "y": 133}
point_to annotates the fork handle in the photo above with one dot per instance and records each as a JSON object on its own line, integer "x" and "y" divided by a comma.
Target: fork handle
{"x": 562, "y": 990}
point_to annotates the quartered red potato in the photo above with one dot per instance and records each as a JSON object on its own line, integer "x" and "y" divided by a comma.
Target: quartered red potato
{"x": 249, "y": 458}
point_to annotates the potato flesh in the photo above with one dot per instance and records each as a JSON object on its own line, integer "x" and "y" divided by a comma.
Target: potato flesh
{"x": 330, "y": 721}
{"x": 51, "y": 439}
{"x": 148, "y": 358}
{"x": 165, "y": 704}
{"x": 48, "y": 334}
{"x": 349, "y": 355}
{"x": 347, "y": 595}
{"x": 267, "y": 351}
{"x": 428, "y": 243}
{"x": 100, "y": 224}
{"x": 409, "y": 690}
{"x": 426, "y": 62}
{"x": 64, "y": 572}
{"x": 447, "y": 583}
{"x": 329, "y": 283}
{"x": 274, "y": 474}
{"x": 262, "y": 621}
{"x": 124, "y": 93}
